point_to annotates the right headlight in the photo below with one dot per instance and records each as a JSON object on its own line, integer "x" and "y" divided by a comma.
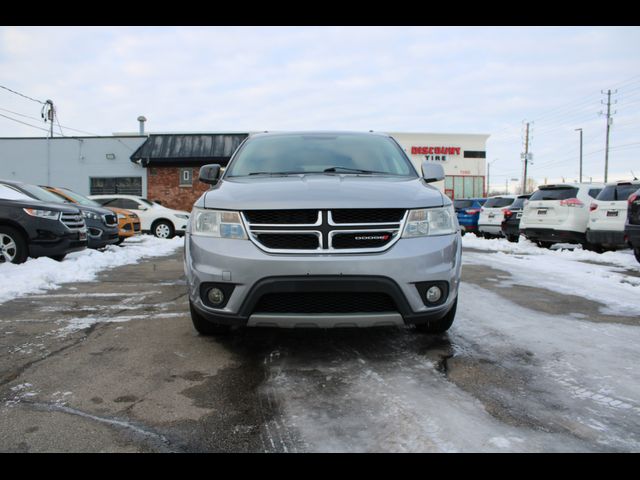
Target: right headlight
{"x": 217, "y": 223}
{"x": 430, "y": 221}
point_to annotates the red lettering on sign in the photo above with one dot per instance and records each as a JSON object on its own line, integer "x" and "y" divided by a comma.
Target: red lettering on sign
{"x": 441, "y": 150}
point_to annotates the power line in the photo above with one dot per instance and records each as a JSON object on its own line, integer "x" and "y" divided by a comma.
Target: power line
{"x": 22, "y": 95}
{"x": 24, "y": 123}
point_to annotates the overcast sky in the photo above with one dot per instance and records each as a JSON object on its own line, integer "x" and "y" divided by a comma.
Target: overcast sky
{"x": 408, "y": 79}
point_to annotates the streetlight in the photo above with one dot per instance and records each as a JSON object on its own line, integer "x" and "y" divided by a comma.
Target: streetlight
{"x": 580, "y": 130}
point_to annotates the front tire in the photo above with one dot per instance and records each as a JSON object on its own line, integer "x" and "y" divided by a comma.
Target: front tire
{"x": 636, "y": 252}
{"x": 13, "y": 246}
{"x": 439, "y": 326}
{"x": 204, "y": 326}
{"x": 163, "y": 229}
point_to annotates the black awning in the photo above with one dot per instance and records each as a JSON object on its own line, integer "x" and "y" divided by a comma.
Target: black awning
{"x": 174, "y": 150}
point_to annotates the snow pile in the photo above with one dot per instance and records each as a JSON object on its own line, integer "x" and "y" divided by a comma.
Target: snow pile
{"x": 40, "y": 274}
{"x": 622, "y": 258}
{"x": 598, "y": 277}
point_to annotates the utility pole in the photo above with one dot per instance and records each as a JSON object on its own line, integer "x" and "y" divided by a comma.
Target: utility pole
{"x": 580, "y": 130}
{"x": 526, "y": 159}
{"x": 609, "y": 123}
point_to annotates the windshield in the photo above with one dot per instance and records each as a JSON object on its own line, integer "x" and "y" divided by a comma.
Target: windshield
{"x": 41, "y": 194}
{"x": 79, "y": 198}
{"x": 519, "y": 202}
{"x": 498, "y": 202}
{"x": 317, "y": 153}
{"x": 8, "y": 193}
{"x": 558, "y": 193}
{"x": 617, "y": 192}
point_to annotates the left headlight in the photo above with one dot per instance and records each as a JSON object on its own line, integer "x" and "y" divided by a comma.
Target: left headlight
{"x": 217, "y": 223}
{"x": 430, "y": 221}
{"x": 182, "y": 215}
{"x": 121, "y": 216}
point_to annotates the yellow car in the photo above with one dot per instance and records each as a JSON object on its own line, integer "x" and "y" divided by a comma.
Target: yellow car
{"x": 128, "y": 221}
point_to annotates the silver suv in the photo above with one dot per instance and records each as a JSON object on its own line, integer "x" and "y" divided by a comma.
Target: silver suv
{"x": 322, "y": 230}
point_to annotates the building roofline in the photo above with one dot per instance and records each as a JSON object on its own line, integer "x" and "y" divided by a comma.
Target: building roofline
{"x": 70, "y": 137}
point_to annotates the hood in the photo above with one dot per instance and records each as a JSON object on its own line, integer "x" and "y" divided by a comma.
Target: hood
{"x": 56, "y": 207}
{"x": 321, "y": 192}
{"x": 96, "y": 210}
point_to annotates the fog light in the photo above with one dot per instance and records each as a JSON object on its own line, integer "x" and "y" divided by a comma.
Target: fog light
{"x": 433, "y": 294}
{"x": 215, "y": 296}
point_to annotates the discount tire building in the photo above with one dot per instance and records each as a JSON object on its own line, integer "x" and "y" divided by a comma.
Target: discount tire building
{"x": 164, "y": 167}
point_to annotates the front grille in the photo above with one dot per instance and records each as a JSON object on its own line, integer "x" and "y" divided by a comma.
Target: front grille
{"x": 314, "y": 231}
{"x": 366, "y": 215}
{"x": 293, "y": 241}
{"x": 127, "y": 227}
{"x": 73, "y": 221}
{"x": 110, "y": 220}
{"x": 361, "y": 240}
{"x": 282, "y": 217}
{"x": 136, "y": 227}
{"x": 325, "y": 303}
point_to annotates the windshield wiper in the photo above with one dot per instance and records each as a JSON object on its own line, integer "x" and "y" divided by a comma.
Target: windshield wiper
{"x": 276, "y": 173}
{"x": 354, "y": 170}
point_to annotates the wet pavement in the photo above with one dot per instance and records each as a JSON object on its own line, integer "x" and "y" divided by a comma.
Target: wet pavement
{"x": 115, "y": 365}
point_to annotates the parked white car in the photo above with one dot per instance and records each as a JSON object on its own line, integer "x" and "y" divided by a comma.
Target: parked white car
{"x": 607, "y": 215}
{"x": 559, "y": 213}
{"x": 161, "y": 221}
{"x": 491, "y": 215}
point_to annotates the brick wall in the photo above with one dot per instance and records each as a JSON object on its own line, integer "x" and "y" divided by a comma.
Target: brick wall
{"x": 163, "y": 184}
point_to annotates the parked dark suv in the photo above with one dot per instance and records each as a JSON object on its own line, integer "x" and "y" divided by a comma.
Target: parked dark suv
{"x": 102, "y": 224}
{"x": 31, "y": 228}
{"x": 632, "y": 227}
{"x": 512, "y": 214}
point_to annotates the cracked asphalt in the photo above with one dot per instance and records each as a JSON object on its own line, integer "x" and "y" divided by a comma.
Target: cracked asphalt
{"x": 114, "y": 365}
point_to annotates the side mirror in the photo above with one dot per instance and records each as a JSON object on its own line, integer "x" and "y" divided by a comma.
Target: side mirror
{"x": 432, "y": 172}
{"x": 209, "y": 174}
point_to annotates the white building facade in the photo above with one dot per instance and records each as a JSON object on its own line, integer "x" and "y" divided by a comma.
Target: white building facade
{"x": 94, "y": 165}
{"x": 463, "y": 157}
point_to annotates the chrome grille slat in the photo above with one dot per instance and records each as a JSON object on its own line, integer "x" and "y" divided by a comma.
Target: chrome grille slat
{"x": 326, "y": 229}
{"x": 72, "y": 221}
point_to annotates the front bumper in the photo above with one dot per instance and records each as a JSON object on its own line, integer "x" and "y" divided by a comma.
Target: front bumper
{"x": 250, "y": 273}
{"x": 99, "y": 235}
{"x": 50, "y": 244}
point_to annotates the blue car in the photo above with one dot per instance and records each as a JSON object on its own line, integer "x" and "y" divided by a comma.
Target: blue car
{"x": 468, "y": 211}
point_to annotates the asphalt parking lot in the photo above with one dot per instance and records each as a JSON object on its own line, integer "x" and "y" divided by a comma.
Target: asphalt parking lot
{"x": 114, "y": 365}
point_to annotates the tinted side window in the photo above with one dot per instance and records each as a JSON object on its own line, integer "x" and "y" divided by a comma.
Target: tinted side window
{"x": 129, "y": 204}
{"x": 561, "y": 193}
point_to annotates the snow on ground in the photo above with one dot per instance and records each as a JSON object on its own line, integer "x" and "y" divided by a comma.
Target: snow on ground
{"x": 603, "y": 278}
{"x": 39, "y": 274}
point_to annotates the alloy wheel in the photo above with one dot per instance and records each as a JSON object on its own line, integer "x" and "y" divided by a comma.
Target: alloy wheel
{"x": 8, "y": 248}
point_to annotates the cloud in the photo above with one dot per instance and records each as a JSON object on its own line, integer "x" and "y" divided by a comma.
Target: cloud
{"x": 432, "y": 79}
